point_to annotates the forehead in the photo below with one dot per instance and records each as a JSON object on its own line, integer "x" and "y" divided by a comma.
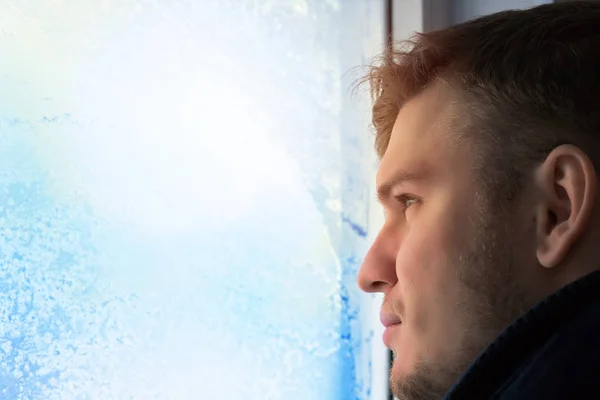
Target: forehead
{"x": 422, "y": 136}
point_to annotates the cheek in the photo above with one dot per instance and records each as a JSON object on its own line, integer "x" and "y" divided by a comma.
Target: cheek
{"x": 426, "y": 270}
{"x": 420, "y": 260}
{"x": 429, "y": 238}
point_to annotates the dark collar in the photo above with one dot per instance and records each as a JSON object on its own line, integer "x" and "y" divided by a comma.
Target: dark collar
{"x": 522, "y": 338}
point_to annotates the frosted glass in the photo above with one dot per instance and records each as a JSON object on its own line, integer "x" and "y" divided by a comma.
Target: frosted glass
{"x": 183, "y": 199}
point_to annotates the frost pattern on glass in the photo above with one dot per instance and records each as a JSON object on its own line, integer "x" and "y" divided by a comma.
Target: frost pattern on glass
{"x": 183, "y": 199}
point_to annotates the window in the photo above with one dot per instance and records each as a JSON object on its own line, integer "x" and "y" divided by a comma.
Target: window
{"x": 185, "y": 195}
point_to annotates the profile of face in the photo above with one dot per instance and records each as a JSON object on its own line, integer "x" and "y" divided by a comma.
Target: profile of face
{"x": 454, "y": 270}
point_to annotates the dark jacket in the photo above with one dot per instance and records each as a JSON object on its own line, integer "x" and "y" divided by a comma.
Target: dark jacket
{"x": 551, "y": 352}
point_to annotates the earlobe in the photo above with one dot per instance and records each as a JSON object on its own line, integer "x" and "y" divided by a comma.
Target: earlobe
{"x": 567, "y": 183}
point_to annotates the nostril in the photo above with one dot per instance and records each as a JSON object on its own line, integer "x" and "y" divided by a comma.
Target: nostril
{"x": 378, "y": 286}
{"x": 370, "y": 285}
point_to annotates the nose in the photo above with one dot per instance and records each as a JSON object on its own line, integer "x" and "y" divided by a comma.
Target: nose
{"x": 378, "y": 271}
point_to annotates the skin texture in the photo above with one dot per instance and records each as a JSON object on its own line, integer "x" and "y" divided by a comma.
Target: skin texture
{"x": 455, "y": 271}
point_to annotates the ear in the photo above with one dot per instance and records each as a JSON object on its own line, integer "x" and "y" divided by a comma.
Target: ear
{"x": 567, "y": 183}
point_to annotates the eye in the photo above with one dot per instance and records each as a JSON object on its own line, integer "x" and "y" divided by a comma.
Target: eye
{"x": 406, "y": 201}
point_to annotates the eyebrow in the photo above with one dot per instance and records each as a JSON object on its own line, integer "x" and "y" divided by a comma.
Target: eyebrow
{"x": 399, "y": 177}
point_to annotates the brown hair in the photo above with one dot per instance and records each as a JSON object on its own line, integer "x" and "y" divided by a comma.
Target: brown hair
{"x": 526, "y": 81}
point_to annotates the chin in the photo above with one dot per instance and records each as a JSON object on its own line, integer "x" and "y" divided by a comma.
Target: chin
{"x": 400, "y": 367}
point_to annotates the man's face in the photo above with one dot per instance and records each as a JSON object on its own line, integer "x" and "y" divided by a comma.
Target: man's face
{"x": 443, "y": 259}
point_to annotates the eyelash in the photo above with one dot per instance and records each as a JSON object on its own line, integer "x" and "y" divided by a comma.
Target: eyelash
{"x": 404, "y": 199}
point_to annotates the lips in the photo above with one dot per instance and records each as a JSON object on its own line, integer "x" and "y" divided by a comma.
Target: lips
{"x": 389, "y": 319}
{"x": 392, "y": 325}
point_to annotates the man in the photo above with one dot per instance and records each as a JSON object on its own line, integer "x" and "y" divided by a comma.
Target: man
{"x": 489, "y": 257}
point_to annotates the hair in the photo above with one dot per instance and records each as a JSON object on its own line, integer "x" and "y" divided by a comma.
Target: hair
{"x": 525, "y": 81}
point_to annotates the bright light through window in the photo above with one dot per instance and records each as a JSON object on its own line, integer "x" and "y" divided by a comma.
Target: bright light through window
{"x": 184, "y": 199}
